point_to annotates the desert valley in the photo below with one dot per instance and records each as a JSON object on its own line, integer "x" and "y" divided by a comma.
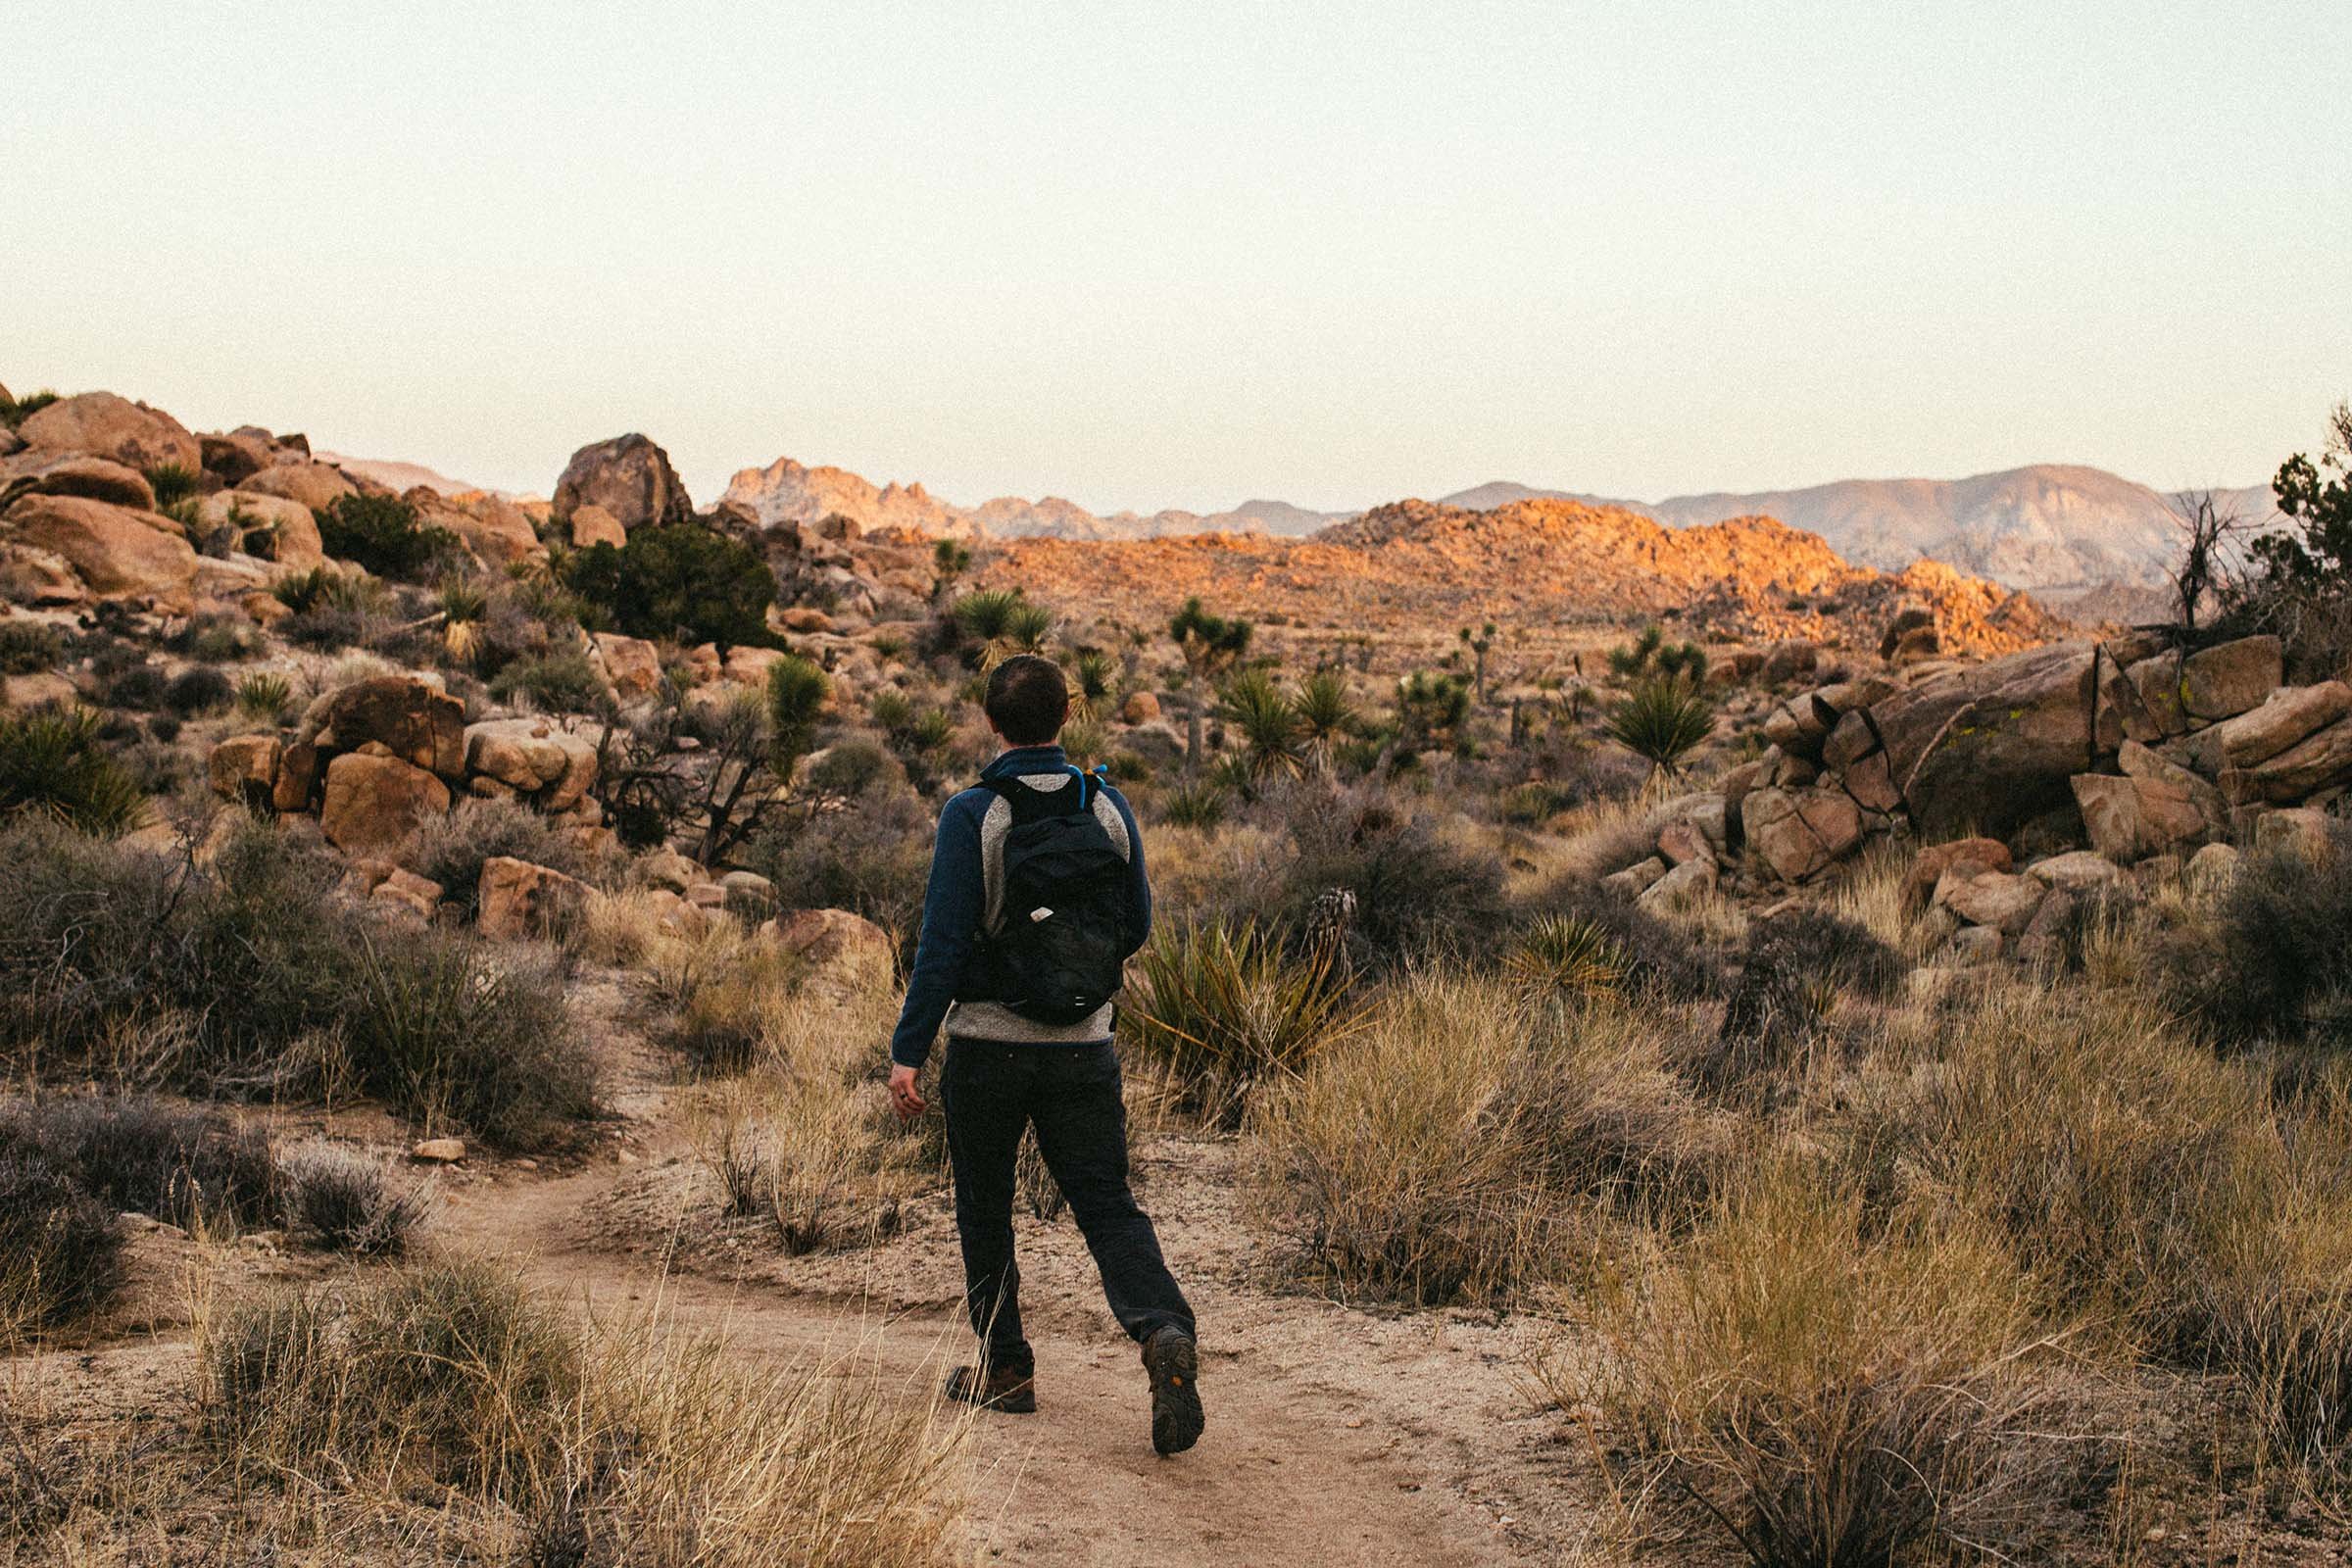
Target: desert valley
{"x": 1664, "y": 1039}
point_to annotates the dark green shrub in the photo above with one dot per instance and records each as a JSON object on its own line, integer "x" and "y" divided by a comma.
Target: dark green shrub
{"x": 1793, "y": 971}
{"x": 264, "y": 694}
{"x": 384, "y": 536}
{"x": 853, "y": 769}
{"x": 139, "y": 688}
{"x": 61, "y": 1249}
{"x": 555, "y": 683}
{"x": 683, "y": 582}
{"x": 202, "y": 690}
{"x": 183, "y": 1164}
{"x": 13, "y": 411}
{"x": 1418, "y": 894}
{"x": 451, "y": 848}
{"x": 1660, "y": 961}
{"x": 52, "y": 764}
{"x": 164, "y": 727}
{"x": 27, "y": 648}
{"x": 172, "y": 483}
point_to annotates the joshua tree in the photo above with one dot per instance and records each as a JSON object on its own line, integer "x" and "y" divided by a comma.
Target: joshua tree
{"x": 1477, "y": 645}
{"x": 1211, "y": 645}
{"x": 949, "y": 562}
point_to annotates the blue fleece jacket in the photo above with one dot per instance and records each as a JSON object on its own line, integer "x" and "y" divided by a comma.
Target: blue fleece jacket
{"x": 956, "y": 902}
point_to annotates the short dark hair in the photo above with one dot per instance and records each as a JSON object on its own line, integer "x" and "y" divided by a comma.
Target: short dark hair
{"x": 1027, "y": 700}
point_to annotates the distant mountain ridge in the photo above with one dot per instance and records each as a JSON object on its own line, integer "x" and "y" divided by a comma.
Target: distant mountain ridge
{"x": 2052, "y": 528}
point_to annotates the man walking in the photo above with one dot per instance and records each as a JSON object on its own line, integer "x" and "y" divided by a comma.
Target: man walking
{"x": 1038, "y": 896}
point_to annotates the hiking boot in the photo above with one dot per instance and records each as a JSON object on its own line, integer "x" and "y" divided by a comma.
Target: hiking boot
{"x": 1004, "y": 1390}
{"x": 1173, "y": 1362}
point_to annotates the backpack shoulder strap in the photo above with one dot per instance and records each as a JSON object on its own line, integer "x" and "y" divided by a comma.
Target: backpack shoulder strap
{"x": 1029, "y": 803}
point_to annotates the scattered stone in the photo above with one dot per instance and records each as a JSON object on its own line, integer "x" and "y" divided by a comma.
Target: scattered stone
{"x": 77, "y": 473}
{"x": 2305, "y": 831}
{"x": 1976, "y": 944}
{"x": 316, "y": 485}
{"x": 1140, "y": 708}
{"x": 1689, "y": 882}
{"x": 1799, "y": 832}
{"x": 1995, "y": 899}
{"x": 632, "y": 665}
{"x": 419, "y": 895}
{"x": 592, "y": 524}
{"x": 522, "y": 900}
{"x": 1636, "y": 879}
{"x": 2286, "y": 717}
{"x": 438, "y": 1151}
{"x": 244, "y": 767}
{"x": 273, "y": 528}
{"x": 1681, "y": 843}
{"x": 113, "y": 550}
{"x": 2229, "y": 678}
{"x": 829, "y": 938}
{"x": 2076, "y": 871}
{"x": 2212, "y": 864}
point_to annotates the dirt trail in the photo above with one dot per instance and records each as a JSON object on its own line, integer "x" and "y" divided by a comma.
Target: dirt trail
{"x": 1334, "y": 1436}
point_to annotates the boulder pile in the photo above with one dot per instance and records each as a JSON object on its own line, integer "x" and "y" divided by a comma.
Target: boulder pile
{"x": 2036, "y": 779}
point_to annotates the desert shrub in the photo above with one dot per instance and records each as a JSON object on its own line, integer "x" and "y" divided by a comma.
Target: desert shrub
{"x": 2273, "y": 958}
{"x": 1796, "y": 969}
{"x": 138, "y": 687}
{"x": 871, "y": 859}
{"x": 346, "y": 1202}
{"x": 201, "y": 690}
{"x": 187, "y": 1165}
{"x": 164, "y": 727}
{"x": 172, "y": 483}
{"x": 61, "y": 1249}
{"x": 28, "y": 647}
{"x": 452, "y": 847}
{"x": 719, "y": 991}
{"x": 215, "y": 639}
{"x": 1821, "y": 1391}
{"x": 384, "y": 536}
{"x": 853, "y": 769}
{"x": 1228, "y": 1013}
{"x": 1419, "y": 892}
{"x": 52, "y": 764}
{"x": 271, "y": 983}
{"x": 264, "y": 694}
{"x": 684, "y": 583}
{"x": 551, "y": 683}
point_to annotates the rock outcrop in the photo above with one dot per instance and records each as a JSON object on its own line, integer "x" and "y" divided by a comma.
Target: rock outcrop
{"x": 629, "y": 477}
{"x": 105, "y": 425}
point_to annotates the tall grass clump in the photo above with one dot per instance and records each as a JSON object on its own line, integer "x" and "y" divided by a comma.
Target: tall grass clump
{"x": 1817, "y": 1389}
{"x": 1227, "y": 1011}
{"x": 60, "y": 1248}
{"x": 1471, "y": 1142}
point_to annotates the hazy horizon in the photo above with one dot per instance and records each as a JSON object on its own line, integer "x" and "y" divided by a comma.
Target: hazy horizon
{"x": 1200, "y": 254}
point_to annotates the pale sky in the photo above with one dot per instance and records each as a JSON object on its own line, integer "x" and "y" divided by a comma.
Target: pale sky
{"x": 1183, "y": 255}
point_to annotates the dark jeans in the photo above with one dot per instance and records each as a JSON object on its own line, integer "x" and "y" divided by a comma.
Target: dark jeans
{"x": 991, "y": 1092}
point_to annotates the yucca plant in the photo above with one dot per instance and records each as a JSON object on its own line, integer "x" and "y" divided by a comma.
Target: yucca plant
{"x": 265, "y": 694}
{"x": 1563, "y": 955}
{"x": 797, "y": 690}
{"x": 52, "y": 761}
{"x": 172, "y": 482}
{"x": 891, "y": 712}
{"x": 984, "y": 614}
{"x": 1327, "y": 715}
{"x": 1194, "y": 804}
{"x": 1228, "y": 1010}
{"x": 1096, "y": 677}
{"x": 1663, "y": 721}
{"x": 464, "y": 602}
{"x": 1272, "y": 740}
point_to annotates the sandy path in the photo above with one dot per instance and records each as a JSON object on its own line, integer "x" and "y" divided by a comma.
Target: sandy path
{"x": 1334, "y": 1436}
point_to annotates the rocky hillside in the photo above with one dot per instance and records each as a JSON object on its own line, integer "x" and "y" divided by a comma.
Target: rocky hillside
{"x": 2047, "y": 526}
{"x": 1536, "y": 562}
{"x": 786, "y": 491}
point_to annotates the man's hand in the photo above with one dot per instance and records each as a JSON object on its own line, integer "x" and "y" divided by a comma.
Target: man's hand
{"x": 904, "y": 1098}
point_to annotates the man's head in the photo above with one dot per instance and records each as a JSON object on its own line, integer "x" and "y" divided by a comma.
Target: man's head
{"x": 1027, "y": 700}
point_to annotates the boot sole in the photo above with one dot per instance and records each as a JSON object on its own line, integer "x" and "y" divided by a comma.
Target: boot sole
{"x": 1174, "y": 1365}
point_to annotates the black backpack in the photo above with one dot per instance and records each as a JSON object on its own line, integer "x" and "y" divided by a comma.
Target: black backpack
{"x": 1063, "y": 940}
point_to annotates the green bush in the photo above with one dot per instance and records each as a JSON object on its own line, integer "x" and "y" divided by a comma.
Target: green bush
{"x": 2273, "y": 960}
{"x": 52, "y": 764}
{"x": 384, "y": 536}
{"x": 27, "y": 648}
{"x": 553, "y": 683}
{"x": 138, "y": 687}
{"x": 871, "y": 859}
{"x": 1230, "y": 1014}
{"x": 683, "y": 582}
{"x": 201, "y": 690}
{"x": 1420, "y": 892}
{"x": 215, "y": 639}
{"x": 172, "y": 483}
